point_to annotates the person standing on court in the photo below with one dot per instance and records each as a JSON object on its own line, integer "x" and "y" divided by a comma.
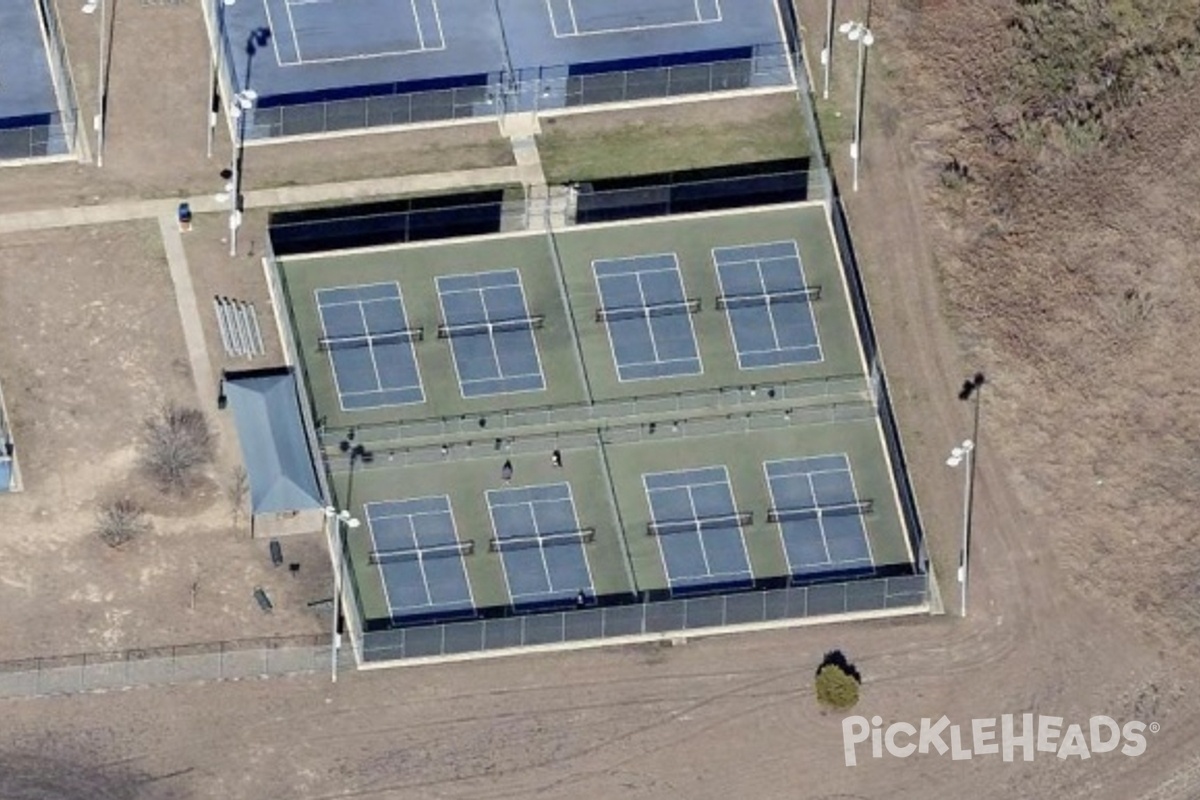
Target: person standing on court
{"x": 506, "y": 471}
{"x": 556, "y": 458}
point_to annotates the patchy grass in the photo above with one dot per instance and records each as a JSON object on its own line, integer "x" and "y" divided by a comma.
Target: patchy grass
{"x": 1082, "y": 64}
{"x": 680, "y": 137}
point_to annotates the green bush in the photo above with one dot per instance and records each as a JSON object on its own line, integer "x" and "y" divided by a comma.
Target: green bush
{"x": 836, "y": 688}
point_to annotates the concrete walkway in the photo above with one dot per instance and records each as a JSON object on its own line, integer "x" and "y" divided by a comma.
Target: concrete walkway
{"x": 189, "y": 311}
{"x": 260, "y": 198}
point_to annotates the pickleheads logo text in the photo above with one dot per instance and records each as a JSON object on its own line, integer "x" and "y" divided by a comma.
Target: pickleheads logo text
{"x": 990, "y": 737}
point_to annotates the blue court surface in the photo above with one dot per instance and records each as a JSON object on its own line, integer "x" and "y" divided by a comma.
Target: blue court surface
{"x": 420, "y": 558}
{"x": 699, "y": 528}
{"x": 541, "y": 545}
{"x": 490, "y": 331}
{"x": 768, "y": 304}
{"x": 370, "y": 346}
{"x": 31, "y": 122}
{"x": 820, "y": 515}
{"x": 442, "y": 59}
{"x": 648, "y": 316}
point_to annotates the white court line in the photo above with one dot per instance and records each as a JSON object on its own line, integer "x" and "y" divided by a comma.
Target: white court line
{"x": 862, "y": 521}
{"x": 687, "y": 471}
{"x": 532, "y": 336}
{"x": 406, "y": 513}
{"x": 417, "y": 22}
{"x": 728, "y": 484}
{"x": 295, "y": 33}
{"x": 302, "y": 61}
{"x": 699, "y": 531}
{"x": 662, "y": 555}
{"x": 491, "y": 334}
{"x": 370, "y": 347}
{"x": 733, "y": 339}
{"x": 699, "y": 20}
{"x": 587, "y": 564}
{"x": 778, "y": 524}
{"x": 812, "y": 314}
{"x": 821, "y": 525}
{"x": 329, "y": 354}
{"x": 612, "y": 346}
{"x": 646, "y": 315}
{"x": 762, "y": 284}
{"x": 574, "y": 21}
{"x": 378, "y": 566}
{"x": 541, "y": 549}
{"x": 275, "y": 39}
{"x": 437, "y": 16}
{"x": 453, "y": 356}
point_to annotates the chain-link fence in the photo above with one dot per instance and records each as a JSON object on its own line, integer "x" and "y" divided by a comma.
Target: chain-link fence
{"x": 822, "y": 394}
{"x": 827, "y": 190}
{"x": 53, "y": 133}
{"x": 900, "y": 594}
{"x": 209, "y": 661}
{"x": 536, "y": 89}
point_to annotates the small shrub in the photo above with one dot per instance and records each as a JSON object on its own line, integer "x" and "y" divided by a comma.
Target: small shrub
{"x": 836, "y": 689}
{"x": 176, "y": 441}
{"x": 120, "y": 521}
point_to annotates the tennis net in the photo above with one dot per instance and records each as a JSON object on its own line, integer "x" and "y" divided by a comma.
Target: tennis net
{"x": 448, "y": 331}
{"x": 817, "y": 512}
{"x": 739, "y": 519}
{"x": 371, "y": 339}
{"x": 806, "y": 295}
{"x": 464, "y": 548}
{"x": 582, "y": 536}
{"x": 689, "y": 306}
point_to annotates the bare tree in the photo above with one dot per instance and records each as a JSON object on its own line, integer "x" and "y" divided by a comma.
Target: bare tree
{"x": 176, "y": 441}
{"x": 236, "y": 490}
{"x": 120, "y": 521}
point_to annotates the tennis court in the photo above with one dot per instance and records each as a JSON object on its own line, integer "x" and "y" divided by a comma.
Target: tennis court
{"x": 563, "y": 442}
{"x": 31, "y": 111}
{"x": 490, "y": 329}
{"x": 415, "y": 546}
{"x": 768, "y": 303}
{"x": 365, "y": 331}
{"x": 699, "y": 528}
{"x": 647, "y": 317}
{"x": 541, "y": 544}
{"x": 325, "y": 65}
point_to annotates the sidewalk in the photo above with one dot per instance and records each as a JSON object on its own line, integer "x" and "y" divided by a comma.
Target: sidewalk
{"x": 262, "y": 198}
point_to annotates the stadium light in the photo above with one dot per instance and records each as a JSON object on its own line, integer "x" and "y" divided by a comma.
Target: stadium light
{"x": 964, "y": 455}
{"x": 861, "y": 34}
{"x": 242, "y": 102}
{"x": 337, "y": 523}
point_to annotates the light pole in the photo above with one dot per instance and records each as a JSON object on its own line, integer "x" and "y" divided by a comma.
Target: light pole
{"x": 972, "y": 389}
{"x": 860, "y": 33}
{"x": 98, "y": 121}
{"x": 827, "y": 53}
{"x": 338, "y": 522}
{"x": 243, "y": 101}
{"x": 965, "y": 452}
